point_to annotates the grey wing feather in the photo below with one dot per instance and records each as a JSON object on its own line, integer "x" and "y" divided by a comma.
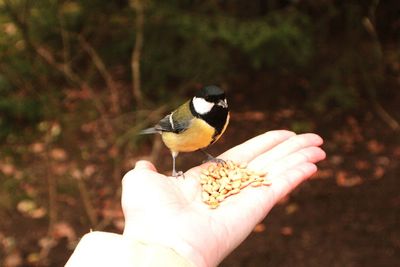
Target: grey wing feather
{"x": 168, "y": 124}
{"x": 151, "y": 130}
{"x": 181, "y": 126}
{"x": 162, "y": 126}
{"x": 165, "y": 125}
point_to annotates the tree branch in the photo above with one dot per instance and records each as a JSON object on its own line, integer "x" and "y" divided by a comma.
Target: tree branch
{"x": 137, "y": 50}
{"x": 100, "y": 66}
{"x": 369, "y": 25}
{"x": 87, "y": 204}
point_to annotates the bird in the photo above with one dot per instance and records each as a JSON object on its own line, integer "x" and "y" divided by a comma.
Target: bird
{"x": 195, "y": 125}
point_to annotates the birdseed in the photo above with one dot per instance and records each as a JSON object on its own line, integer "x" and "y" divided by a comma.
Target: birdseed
{"x": 222, "y": 180}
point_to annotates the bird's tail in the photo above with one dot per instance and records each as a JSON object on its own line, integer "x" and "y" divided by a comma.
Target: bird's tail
{"x": 151, "y": 130}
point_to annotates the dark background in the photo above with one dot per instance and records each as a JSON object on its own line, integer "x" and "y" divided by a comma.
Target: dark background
{"x": 79, "y": 79}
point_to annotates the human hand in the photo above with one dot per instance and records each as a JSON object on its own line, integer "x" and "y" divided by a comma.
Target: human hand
{"x": 169, "y": 211}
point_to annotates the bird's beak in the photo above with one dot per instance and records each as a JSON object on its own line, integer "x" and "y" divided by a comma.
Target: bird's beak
{"x": 223, "y": 103}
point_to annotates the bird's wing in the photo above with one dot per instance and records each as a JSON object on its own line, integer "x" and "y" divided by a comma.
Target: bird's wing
{"x": 171, "y": 124}
{"x": 177, "y": 121}
{"x": 151, "y": 130}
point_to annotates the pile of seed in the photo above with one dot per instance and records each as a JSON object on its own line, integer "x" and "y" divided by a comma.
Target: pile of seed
{"x": 222, "y": 180}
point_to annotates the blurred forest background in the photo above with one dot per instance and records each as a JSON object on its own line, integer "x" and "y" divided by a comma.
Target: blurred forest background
{"x": 79, "y": 78}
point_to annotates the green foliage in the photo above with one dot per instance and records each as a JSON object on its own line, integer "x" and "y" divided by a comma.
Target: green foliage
{"x": 185, "y": 43}
{"x": 279, "y": 40}
{"x": 336, "y": 85}
{"x": 17, "y": 113}
{"x": 182, "y": 45}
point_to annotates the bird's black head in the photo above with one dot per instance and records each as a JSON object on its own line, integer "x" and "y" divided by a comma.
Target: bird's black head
{"x": 211, "y": 93}
{"x": 210, "y": 104}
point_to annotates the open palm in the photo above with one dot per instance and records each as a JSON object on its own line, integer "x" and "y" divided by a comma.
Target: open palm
{"x": 169, "y": 211}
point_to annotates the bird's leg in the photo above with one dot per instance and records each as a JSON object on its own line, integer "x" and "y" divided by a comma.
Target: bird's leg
{"x": 174, "y": 172}
{"x": 211, "y": 157}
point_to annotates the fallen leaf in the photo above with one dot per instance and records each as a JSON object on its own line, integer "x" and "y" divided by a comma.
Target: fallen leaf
{"x": 26, "y": 206}
{"x": 30, "y": 209}
{"x": 63, "y": 229}
{"x": 10, "y": 28}
{"x": 362, "y": 165}
{"x": 14, "y": 259}
{"x": 286, "y": 230}
{"x": 259, "y": 228}
{"x": 375, "y": 147}
{"x": 89, "y": 170}
{"x": 33, "y": 258}
{"x": 46, "y": 242}
{"x": 55, "y": 129}
{"x": 7, "y": 168}
{"x": 343, "y": 179}
{"x": 37, "y": 148}
{"x": 76, "y": 173}
{"x": 379, "y": 172}
{"x": 291, "y": 208}
{"x": 38, "y": 213}
{"x": 58, "y": 154}
{"x": 323, "y": 174}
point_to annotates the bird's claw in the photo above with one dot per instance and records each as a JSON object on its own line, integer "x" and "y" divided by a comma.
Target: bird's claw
{"x": 178, "y": 174}
{"x": 215, "y": 160}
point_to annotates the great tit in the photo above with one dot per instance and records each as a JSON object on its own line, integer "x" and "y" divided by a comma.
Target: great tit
{"x": 194, "y": 125}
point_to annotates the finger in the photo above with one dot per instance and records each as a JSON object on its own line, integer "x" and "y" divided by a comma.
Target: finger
{"x": 141, "y": 165}
{"x": 309, "y": 154}
{"x": 282, "y": 184}
{"x": 145, "y": 165}
{"x": 255, "y": 203}
{"x": 285, "y": 148}
{"x": 252, "y": 148}
{"x": 285, "y": 182}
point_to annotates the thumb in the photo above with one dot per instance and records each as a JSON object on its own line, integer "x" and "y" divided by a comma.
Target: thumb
{"x": 141, "y": 165}
{"x": 145, "y": 165}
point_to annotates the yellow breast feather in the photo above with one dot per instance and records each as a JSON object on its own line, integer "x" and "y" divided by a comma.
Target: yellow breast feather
{"x": 198, "y": 135}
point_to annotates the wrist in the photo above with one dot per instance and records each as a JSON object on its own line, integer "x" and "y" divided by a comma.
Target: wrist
{"x": 109, "y": 249}
{"x": 171, "y": 244}
{"x": 144, "y": 255}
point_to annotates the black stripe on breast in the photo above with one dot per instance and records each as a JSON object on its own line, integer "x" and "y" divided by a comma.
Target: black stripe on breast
{"x": 216, "y": 117}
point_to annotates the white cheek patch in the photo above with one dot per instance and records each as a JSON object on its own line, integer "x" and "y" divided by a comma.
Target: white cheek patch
{"x": 223, "y": 103}
{"x": 201, "y": 105}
